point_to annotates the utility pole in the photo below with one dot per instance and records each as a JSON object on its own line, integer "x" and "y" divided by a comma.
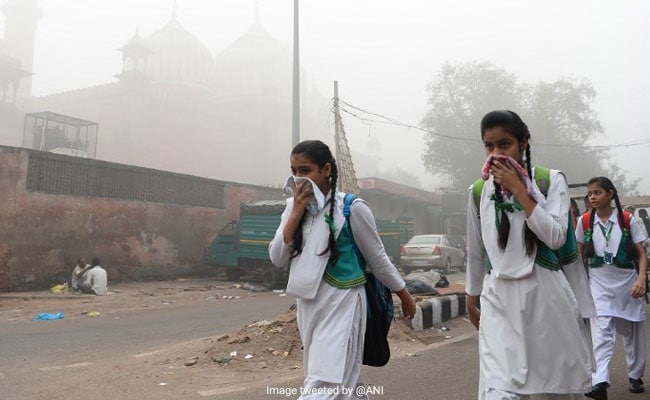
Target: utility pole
{"x": 295, "y": 120}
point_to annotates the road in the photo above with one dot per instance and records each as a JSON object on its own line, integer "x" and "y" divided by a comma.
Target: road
{"x": 93, "y": 358}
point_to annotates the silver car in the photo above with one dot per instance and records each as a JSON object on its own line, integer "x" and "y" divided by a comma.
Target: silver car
{"x": 433, "y": 252}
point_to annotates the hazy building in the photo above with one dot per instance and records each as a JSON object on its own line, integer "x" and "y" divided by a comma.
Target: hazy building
{"x": 174, "y": 106}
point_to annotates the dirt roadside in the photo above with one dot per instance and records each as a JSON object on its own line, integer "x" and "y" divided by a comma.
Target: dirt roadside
{"x": 265, "y": 351}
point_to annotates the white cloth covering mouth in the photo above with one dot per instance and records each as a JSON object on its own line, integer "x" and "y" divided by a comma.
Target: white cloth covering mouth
{"x": 314, "y": 206}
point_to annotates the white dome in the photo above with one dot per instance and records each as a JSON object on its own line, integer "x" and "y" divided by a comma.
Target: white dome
{"x": 178, "y": 57}
{"x": 255, "y": 65}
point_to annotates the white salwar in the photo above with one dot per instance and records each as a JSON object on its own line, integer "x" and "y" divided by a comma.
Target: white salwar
{"x": 332, "y": 323}
{"x": 532, "y": 336}
{"x": 616, "y": 310}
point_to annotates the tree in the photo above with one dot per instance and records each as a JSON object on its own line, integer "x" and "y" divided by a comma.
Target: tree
{"x": 559, "y": 116}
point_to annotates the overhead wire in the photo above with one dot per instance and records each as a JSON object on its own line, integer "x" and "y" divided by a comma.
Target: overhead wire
{"x": 382, "y": 119}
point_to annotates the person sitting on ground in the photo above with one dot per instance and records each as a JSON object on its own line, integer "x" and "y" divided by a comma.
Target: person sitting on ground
{"x": 77, "y": 273}
{"x": 94, "y": 280}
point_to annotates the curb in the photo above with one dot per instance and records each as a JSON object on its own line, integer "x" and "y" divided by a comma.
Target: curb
{"x": 437, "y": 309}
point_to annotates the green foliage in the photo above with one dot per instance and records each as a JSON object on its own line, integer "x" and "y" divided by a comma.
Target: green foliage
{"x": 557, "y": 114}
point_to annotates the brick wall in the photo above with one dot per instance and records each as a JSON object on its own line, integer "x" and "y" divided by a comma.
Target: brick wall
{"x": 142, "y": 223}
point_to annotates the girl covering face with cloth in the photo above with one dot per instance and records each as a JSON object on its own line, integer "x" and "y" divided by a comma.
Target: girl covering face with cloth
{"x": 325, "y": 274}
{"x": 612, "y": 248}
{"x": 532, "y": 338}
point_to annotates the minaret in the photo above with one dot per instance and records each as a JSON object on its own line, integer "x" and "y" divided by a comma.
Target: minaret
{"x": 134, "y": 58}
{"x": 20, "y": 34}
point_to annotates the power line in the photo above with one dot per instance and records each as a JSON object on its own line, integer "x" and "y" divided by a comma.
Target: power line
{"x": 382, "y": 119}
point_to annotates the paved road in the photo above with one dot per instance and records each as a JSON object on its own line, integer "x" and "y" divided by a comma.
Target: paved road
{"x": 44, "y": 343}
{"x": 446, "y": 371}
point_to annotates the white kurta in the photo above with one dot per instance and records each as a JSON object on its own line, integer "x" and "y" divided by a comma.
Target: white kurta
{"x": 532, "y": 338}
{"x": 332, "y": 325}
{"x": 611, "y": 285}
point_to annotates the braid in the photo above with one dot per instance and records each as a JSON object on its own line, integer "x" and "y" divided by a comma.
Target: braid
{"x": 530, "y": 239}
{"x": 631, "y": 248}
{"x": 331, "y": 244}
{"x": 504, "y": 222}
{"x": 296, "y": 243}
{"x": 588, "y": 250}
{"x": 528, "y": 162}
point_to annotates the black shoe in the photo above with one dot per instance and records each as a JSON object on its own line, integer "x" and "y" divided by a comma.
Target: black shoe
{"x": 636, "y": 386}
{"x": 598, "y": 391}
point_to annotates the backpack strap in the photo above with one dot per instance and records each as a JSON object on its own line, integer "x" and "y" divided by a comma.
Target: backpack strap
{"x": 542, "y": 178}
{"x": 347, "y": 203}
{"x": 627, "y": 216}
{"x": 586, "y": 221}
{"x": 477, "y": 189}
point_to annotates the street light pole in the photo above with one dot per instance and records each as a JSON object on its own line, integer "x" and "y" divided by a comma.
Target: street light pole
{"x": 295, "y": 121}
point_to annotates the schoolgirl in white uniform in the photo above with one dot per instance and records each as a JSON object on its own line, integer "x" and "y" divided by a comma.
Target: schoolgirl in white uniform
{"x": 610, "y": 248}
{"x": 325, "y": 275}
{"x": 532, "y": 338}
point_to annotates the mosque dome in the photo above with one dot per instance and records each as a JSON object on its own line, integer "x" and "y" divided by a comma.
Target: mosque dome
{"x": 177, "y": 56}
{"x": 254, "y": 66}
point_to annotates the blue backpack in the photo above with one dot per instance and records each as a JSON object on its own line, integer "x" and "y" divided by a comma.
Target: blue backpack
{"x": 376, "y": 351}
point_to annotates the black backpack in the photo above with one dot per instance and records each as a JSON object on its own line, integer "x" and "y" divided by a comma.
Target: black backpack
{"x": 376, "y": 351}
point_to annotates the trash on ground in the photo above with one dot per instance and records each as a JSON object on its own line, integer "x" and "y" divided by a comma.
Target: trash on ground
{"x": 166, "y": 301}
{"x": 93, "y": 314}
{"x": 58, "y": 289}
{"x": 162, "y": 384}
{"x": 263, "y": 322}
{"x": 445, "y": 329}
{"x": 431, "y": 277}
{"x": 48, "y": 316}
{"x": 248, "y": 356}
{"x": 417, "y": 286}
{"x": 253, "y": 288}
{"x": 443, "y": 282}
{"x": 233, "y": 354}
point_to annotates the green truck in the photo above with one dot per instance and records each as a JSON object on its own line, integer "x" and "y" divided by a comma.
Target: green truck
{"x": 242, "y": 245}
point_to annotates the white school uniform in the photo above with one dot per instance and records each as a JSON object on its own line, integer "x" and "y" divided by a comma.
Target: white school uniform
{"x": 532, "y": 338}
{"x": 617, "y": 311}
{"x": 332, "y": 323}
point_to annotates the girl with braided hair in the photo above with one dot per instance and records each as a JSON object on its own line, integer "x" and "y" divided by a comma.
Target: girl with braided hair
{"x": 532, "y": 337}
{"x": 325, "y": 274}
{"x": 612, "y": 246}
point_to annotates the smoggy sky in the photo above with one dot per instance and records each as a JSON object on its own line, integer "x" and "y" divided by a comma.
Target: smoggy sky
{"x": 383, "y": 53}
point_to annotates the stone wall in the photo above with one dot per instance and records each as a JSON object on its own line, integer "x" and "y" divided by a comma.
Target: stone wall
{"x": 142, "y": 223}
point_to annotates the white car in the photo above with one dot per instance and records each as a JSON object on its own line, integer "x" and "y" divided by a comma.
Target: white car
{"x": 433, "y": 252}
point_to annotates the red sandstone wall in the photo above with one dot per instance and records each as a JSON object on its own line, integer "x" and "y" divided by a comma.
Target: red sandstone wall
{"x": 45, "y": 233}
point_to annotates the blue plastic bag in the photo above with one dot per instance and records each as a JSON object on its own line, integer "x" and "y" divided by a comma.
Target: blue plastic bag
{"x": 48, "y": 316}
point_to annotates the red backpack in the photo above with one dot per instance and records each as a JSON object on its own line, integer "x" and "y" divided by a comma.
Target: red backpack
{"x": 587, "y": 222}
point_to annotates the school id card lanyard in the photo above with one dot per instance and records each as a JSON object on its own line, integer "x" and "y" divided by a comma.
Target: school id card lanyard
{"x": 607, "y": 255}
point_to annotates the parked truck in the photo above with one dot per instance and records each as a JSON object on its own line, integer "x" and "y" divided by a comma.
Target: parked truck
{"x": 242, "y": 245}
